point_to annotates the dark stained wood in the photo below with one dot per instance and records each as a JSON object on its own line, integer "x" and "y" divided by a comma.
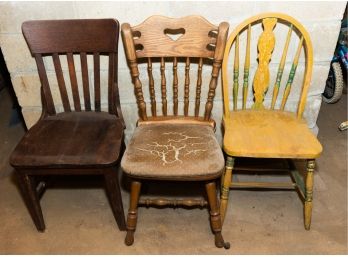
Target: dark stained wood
{"x": 72, "y": 142}
{"x": 48, "y": 104}
{"x": 84, "y": 70}
{"x": 73, "y": 80}
{"x": 96, "y": 59}
{"x": 61, "y": 83}
{"x": 154, "y": 39}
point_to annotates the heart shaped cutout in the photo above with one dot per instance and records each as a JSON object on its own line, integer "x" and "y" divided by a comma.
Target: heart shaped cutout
{"x": 174, "y": 34}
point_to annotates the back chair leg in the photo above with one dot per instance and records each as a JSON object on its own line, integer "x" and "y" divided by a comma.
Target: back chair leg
{"x": 132, "y": 212}
{"x": 215, "y": 218}
{"x": 31, "y": 198}
{"x": 113, "y": 191}
{"x": 225, "y": 188}
{"x": 309, "y": 194}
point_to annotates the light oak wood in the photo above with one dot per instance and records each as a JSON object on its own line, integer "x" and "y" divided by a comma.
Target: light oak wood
{"x": 266, "y": 133}
{"x": 175, "y": 40}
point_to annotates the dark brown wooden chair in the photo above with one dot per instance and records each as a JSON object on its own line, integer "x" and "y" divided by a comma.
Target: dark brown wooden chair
{"x": 82, "y": 139}
{"x": 168, "y": 146}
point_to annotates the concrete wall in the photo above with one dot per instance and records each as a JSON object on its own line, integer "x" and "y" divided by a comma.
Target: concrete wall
{"x": 321, "y": 19}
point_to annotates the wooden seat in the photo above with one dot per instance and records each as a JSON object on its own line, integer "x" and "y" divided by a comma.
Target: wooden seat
{"x": 173, "y": 151}
{"x": 260, "y": 134}
{"x": 85, "y": 139}
{"x": 168, "y": 145}
{"x": 259, "y": 128}
{"x": 73, "y": 136}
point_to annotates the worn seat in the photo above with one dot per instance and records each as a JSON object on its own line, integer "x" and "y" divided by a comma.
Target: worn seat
{"x": 84, "y": 139}
{"x": 261, "y": 134}
{"x": 173, "y": 151}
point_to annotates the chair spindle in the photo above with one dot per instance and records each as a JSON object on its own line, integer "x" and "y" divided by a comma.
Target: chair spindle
{"x": 111, "y": 79}
{"x": 246, "y": 69}
{"x": 163, "y": 87}
{"x": 84, "y": 70}
{"x": 198, "y": 87}
{"x": 73, "y": 80}
{"x": 236, "y": 74}
{"x": 187, "y": 85}
{"x": 61, "y": 82}
{"x": 281, "y": 69}
{"x": 151, "y": 87}
{"x": 175, "y": 86}
{"x": 291, "y": 74}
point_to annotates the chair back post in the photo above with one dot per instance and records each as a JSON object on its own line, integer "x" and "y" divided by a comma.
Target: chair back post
{"x": 266, "y": 44}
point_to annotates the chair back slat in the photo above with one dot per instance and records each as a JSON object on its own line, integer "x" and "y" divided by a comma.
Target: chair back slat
{"x": 236, "y": 74}
{"x": 85, "y": 81}
{"x": 151, "y": 87}
{"x": 187, "y": 86}
{"x": 198, "y": 40}
{"x": 73, "y": 80}
{"x": 281, "y": 69}
{"x": 175, "y": 86}
{"x": 163, "y": 87}
{"x": 246, "y": 69}
{"x": 96, "y": 65}
{"x": 76, "y": 38}
{"x": 61, "y": 82}
{"x": 198, "y": 87}
{"x": 265, "y": 48}
{"x": 291, "y": 75}
{"x": 48, "y": 100}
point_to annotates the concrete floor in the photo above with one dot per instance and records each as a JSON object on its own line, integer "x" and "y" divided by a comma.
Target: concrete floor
{"x": 79, "y": 220}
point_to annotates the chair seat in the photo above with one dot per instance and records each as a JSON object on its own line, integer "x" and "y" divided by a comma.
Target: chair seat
{"x": 71, "y": 139}
{"x": 266, "y": 133}
{"x": 173, "y": 151}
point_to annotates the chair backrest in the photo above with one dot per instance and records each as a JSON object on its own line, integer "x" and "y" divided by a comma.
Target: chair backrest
{"x": 80, "y": 38}
{"x": 153, "y": 40}
{"x": 265, "y": 46}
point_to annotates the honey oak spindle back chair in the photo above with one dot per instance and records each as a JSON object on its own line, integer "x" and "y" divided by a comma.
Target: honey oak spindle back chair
{"x": 174, "y": 147}
{"x": 268, "y": 133}
{"x": 81, "y": 140}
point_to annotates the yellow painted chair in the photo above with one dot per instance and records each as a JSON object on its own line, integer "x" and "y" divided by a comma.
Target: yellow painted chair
{"x": 265, "y": 129}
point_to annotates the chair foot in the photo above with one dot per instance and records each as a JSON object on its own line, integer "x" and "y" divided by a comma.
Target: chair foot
{"x": 309, "y": 194}
{"x": 129, "y": 240}
{"x": 219, "y": 241}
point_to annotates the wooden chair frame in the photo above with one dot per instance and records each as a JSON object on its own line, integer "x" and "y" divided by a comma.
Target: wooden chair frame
{"x": 260, "y": 84}
{"x": 148, "y": 40}
{"x": 72, "y": 37}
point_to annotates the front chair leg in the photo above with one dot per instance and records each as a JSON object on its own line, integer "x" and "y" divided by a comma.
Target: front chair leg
{"x": 132, "y": 212}
{"x": 114, "y": 194}
{"x": 215, "y": 218}
{"x": 225, "y": 188}
{"x": 31, "y": 198}
{"x": 309, "y": 194}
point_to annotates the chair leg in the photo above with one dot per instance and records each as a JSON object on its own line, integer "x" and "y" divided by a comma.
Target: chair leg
{"x": 31, "y": 198}
{"x": 132, "y": 212}
{"x": 309, "y": 194}
{"x": 215, "y": 218}
{"x": 114, "y": 194}
{"x": 225, "y": 188}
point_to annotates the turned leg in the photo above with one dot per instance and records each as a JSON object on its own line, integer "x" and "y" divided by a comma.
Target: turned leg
{"x": 31, "y": 198}
{"x": 309, "y": 194}
{"x": 113, "y": 191}
{"x": 132, "y": 212}
{"x": 215, "y": 218}
{"x": 225, "y": 188}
